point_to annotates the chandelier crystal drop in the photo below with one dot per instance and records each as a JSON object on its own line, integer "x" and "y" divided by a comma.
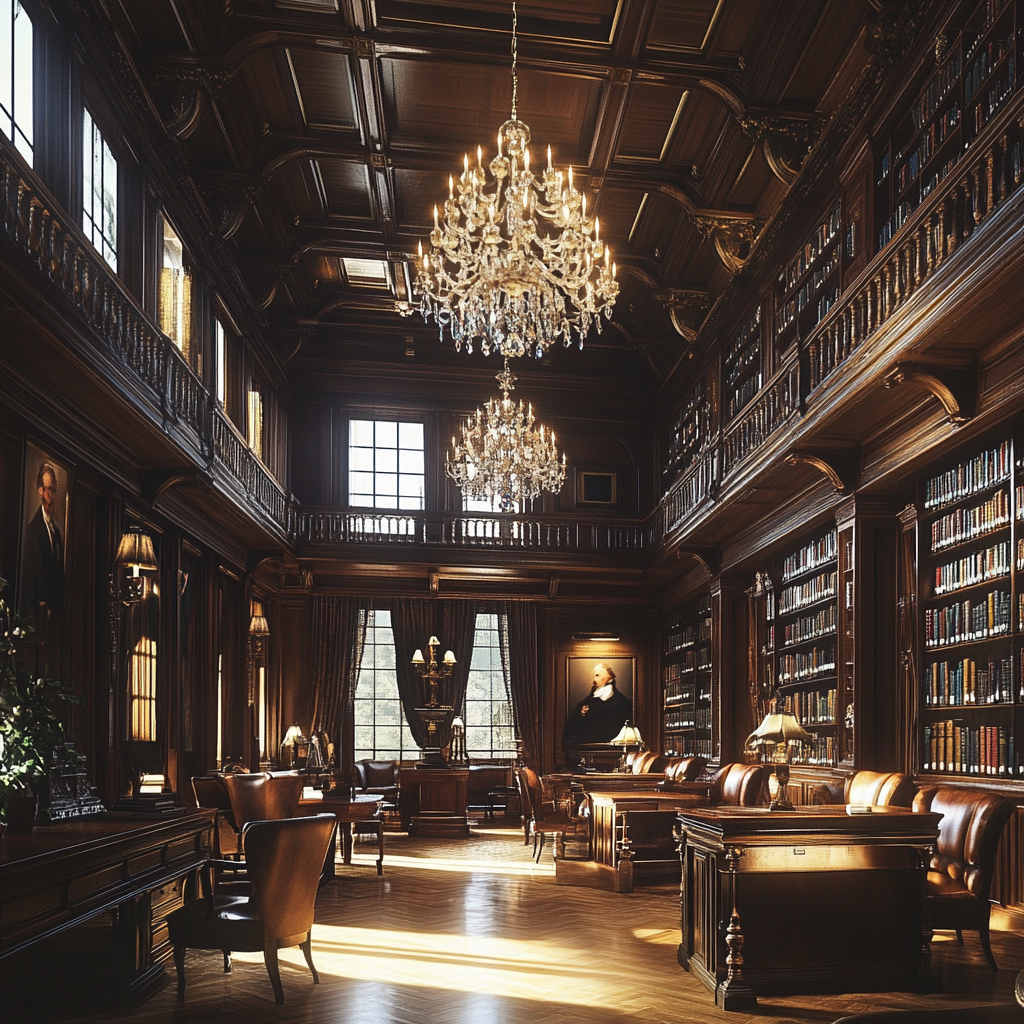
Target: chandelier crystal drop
{"x": 503, "y": 454}
{"x": 515, "y": 262}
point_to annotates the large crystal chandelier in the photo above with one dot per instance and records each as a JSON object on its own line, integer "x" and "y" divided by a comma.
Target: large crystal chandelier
{"x": 516, "y": 262}
{"x": 503, "y": 455}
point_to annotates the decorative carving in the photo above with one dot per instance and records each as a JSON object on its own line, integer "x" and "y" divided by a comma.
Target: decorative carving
{"x": 785, "y": 138}
{"x": 954, "y": 389}
{"x": 734, "y": 236}
{"x": 181, "y": 90}
{"x": 229, "y": 200}
{"x": 708, "y": 558}
{"x": 734, "y": 993}
{"x": 264, "y": 277}
{"x": 306, "y": 575}
{"x": 837, "y": 477}
{"x": 687, "y": 309}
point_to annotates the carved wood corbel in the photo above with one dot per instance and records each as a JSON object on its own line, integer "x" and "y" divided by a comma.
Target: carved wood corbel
{"x": 708, "y": 558}
{"x": 734, "y": 235}
{"x": 785, "y": 139}
{"x": 229, "y": 200}
{"x": 181, "y": 90}
{"x": 686, "y": 308}
{"x": 954, "y": 389}
{"x": 835, "y": 468}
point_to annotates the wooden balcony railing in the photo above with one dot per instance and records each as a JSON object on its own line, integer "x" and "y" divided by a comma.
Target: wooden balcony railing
{"x": 123, "y": 330}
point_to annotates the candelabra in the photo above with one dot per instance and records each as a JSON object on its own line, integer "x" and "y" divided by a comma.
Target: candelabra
{"x": 433, "y": 714}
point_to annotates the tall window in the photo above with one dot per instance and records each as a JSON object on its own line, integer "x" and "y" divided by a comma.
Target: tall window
{"x": 381, "y": 731}
{"x": 254, "y": 420}
{"x": 221, "y": 364}
{"x": 385, "y": 464}
{"x": 99, "y": 192}
{"x": 143, "y": 690}
{"x": 175, "y": 292}
{"x": 490, "y": 731}
{"x": 16, "y": 109}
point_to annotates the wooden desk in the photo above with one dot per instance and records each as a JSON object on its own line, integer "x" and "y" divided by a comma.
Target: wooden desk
{"x": 363, "y": 809}
{"x": 631, "y": 836}
{"x": 812, "y": 900}
{"x": 433, "y": 801}
{"x": 61, "y": 876}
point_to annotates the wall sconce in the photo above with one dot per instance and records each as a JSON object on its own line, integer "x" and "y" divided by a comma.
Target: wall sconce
{"x": 258, "y": 627}
{"x": 135, "y": 552}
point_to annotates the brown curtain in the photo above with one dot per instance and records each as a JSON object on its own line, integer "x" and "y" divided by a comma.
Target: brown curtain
{"x": 519, "y": 661}
{"x": 338, "y": 634}
{"x": 414, "y": 621}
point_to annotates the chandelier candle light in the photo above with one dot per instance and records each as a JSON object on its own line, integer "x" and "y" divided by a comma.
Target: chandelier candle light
{"x": 501, "y": 453}
{"x": 493, "y": 275}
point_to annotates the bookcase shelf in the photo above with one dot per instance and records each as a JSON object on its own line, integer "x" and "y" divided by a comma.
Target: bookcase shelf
{"x": 742, "y": 371}
{"x": 972, "y": 617}
{"x": 972, "y": 79}
{"x": 689, "y": 430}
{"x": 687, "y": 700}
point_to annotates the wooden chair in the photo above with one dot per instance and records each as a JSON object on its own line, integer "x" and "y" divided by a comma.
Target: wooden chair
{"x": 740, "y": 785}
{"x": 210, "y": 791}
{"x": 263, "y": 797}
{"x": 960, "y": 872}
{"x": 545, "y": 816}
{"x": 284, "y": 859}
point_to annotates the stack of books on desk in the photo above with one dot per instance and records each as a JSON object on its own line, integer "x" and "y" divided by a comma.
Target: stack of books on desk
{"x": 150, "y": 805}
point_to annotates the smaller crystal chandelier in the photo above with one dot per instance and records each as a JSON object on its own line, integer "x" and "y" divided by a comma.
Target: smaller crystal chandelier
{"x": 516, "y": 262}
{"x": 502, "y": 455}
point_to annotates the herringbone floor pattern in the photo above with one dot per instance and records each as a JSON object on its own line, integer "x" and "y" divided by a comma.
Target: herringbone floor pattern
{"x": 472, "y": 932}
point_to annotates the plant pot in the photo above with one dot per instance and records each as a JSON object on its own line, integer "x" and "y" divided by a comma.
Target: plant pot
{"x": 20, "y": 810}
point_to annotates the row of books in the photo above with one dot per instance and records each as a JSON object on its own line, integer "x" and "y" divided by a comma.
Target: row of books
{"x": 990, "y": 55}
{"x": 929, "y": 184}
{"x": 681, "y": 719}
{"x": 938, "y": 85}
{"x": 950, "y": 746}
{"x": 704, "y": 629}
{"x": 810, "y": 627}
{"x": 975, "y": 619}
{"x": 810, "y": 556}
{"x": 984, "y": 470}
{"x": 747, "y": 338}
{"x": 679, "y": 638}
{"x": 974, "y": 568}
{"x": 825, "y": 303}
{"x": 818, "y": 661}
{"x": 744, "y": 393}
{"x": 684, "y": 665}
{"x": 965, "y": 683}
{"x": 820, "y": 750}
{"x": 823, "y": 235}
{"x": 812, "y": 707}
{"x": 677, "y": 692}
{"x": 689, "y": 746}
{"x": 737, "y": 367}
{"x": 702, "y": 718}
{"x": 964, "y": 524}
{"x": 900, "y": 215}
{"x": 994, "y": 98}
{"x": 703, "y": 660}
{"x": 934, "y": 136}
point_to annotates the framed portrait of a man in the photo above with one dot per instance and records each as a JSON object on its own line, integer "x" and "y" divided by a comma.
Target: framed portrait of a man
{"x": 44, "y": 528}
{"x": 599, "y": 698}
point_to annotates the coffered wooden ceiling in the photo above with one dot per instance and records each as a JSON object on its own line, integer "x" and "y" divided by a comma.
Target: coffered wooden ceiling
{"x": 321, "y": 133}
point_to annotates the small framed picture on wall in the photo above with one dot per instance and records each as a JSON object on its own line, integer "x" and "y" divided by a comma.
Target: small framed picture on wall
{"x": 44, "y": 529}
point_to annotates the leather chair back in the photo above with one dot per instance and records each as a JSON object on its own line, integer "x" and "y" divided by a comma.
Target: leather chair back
{"x": 685, "y": 769}
{"x": 284, "y": 859}
{"x": 534, "y": 790}
{"x": 968, "y": 834}
{"x": 880, "y": 788}
{"x": 210, "y": 792}
{"x": 263, "y": 797}
{"x": 641, "y": 764}
{"x": 740, "y": 785}
{"x": 380, "y": 773}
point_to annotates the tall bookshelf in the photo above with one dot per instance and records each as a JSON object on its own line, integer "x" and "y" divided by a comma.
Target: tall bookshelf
{"x": 973, "y": 78}
{"x": 742, "y": 372}
{"x": 689, "y": 430}
{"x": 687, "y": 702}
{"x": 972, "y": 579}
{"x": 806, "y": 626}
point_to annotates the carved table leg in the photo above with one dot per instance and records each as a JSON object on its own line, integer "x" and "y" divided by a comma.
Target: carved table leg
{"x": 734, "y": 993}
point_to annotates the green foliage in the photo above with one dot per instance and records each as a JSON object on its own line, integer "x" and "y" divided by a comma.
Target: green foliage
{"x": 29, "y": 725}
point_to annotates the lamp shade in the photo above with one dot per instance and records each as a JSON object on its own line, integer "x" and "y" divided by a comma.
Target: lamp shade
{"x": 628, "y": 736}
{"x": 449, "y": 657}
{"x": 136, "y": 552}
{"x": 292, "y": 736}
{"x": 777, "y": 727}
{"x": 258, "y": 621}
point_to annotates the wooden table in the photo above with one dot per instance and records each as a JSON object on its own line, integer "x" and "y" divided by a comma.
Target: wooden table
{"x": 812, "y": 900}
{"x": 631, "y": 835}
{"x": 433, "y": 801}
{"x": 363, "y": 809}
{"x": 62, "y": 876}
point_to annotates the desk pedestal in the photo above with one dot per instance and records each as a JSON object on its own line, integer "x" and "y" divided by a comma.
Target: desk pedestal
{"x": 433, "y": 801}
{"x": 808, "y": 901}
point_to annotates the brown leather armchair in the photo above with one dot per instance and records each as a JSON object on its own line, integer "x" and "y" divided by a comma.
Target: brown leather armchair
{"x": 210, "y": 791}
{"x": 684, "y": 769}
{"x": 960, "y": 872}
{"x": 263, "y": 797}
{"x": 284, "y": 859}
{"x": 543, "y": 816}
{"x": 740, "y": 785}
{"x": 378, "y": 777}
{"x": 879, "y": 789}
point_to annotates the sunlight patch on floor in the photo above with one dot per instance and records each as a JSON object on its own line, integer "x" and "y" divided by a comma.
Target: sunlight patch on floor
{"x": 535, "y": 969}
{"x": 658, "y": 936}
{"x": 486, "y": 867}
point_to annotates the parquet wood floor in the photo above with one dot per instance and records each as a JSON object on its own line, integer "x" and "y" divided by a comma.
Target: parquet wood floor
{"x": 473, "y": 932}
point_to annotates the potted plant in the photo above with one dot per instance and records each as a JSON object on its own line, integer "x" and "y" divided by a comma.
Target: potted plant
{"x": 29, "y": 725}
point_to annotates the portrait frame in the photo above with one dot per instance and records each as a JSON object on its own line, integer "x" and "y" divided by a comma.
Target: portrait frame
{"x": 579, "y": 673}
{"x": 36, "y": 583}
